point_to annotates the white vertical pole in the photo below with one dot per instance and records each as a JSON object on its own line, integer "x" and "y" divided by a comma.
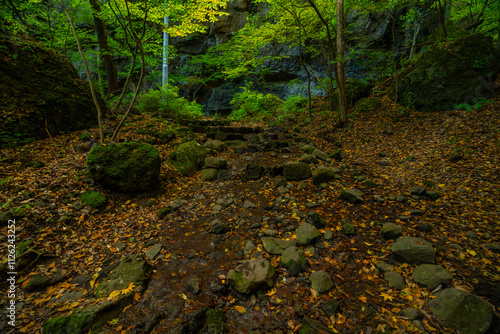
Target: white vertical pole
{"x": 164, "y": 81}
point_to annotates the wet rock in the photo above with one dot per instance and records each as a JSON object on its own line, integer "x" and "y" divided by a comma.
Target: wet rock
{"x": 462, "y": 311}
{"x": 276, "y": 246}
{"x": 251, "y": 276}
{"x": 411, "y": 313}
{"x": 352, "y": 196}
{"x": 391, "y": 231}
{"x": 413, "y": 250}
{"x": 294, "y": 259}
{"x": 306, "y": 233}
{"x": 321, "y": 282}
{"x": 431, "y": 276}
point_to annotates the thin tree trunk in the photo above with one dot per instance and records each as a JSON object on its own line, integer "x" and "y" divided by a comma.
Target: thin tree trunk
{"x": 447, "y": 15}
{"x": 92, "y": 89}
{"x": 341, "y": 85}
{"x": 415, "y": 35}
{"x": 102, "y": 39}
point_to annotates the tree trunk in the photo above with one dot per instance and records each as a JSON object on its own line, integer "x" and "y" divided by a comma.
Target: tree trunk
{"x": 341, "y": 85}
{"x": 415, "y": 35}
{"x": 102, "y": 39}
{"x": 448, "y": 10}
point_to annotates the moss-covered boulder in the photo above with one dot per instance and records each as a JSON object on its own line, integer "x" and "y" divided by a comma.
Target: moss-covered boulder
{"x": 126, "y": 167}
{"x": 53, "y": 93}
{"x": 188, "y": 158}
{"x": 457, "y": 72}
{"x": 293, "y": 171}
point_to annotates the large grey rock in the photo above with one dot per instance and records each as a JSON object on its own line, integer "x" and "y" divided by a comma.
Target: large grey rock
{"x": 126, "y": 167}
{"x": 431, "y": 276}
{"x": 252, "y": 275}
{"x": 306, "y": 233}
{"x": 352, "y": 195}
{"x": 132, "y": 269}
{"x": 188, "y": 158}
{"x": 276, "y": 246}
{"x": 413, "y": 250}
{"x": 322, "y": 175}
{"x": 293, "y": 171}
{"x": 321, "y": 281}
{"x": 294, "y": 259}
{"x": 462, "y": 311}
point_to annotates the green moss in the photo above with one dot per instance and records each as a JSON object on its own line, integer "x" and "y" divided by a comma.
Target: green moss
{"x": 94, "y": 199}
{"x": 78, "y": 323}
{"x": 216, "y": 321}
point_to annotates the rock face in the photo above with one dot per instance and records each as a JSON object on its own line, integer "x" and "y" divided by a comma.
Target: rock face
{"x": 252, "y": 275}
{"x": 53, "y": 92}
{"x": 188, "y": 158}
{"x": 462, "y": 311}
{"x": 127, "y": 167}
{"x": 413, "y": 250}
{"x": 449, "y": 75}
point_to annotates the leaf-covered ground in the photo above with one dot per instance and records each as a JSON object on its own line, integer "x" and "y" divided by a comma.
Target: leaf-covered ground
{"x": 455, "y": 153}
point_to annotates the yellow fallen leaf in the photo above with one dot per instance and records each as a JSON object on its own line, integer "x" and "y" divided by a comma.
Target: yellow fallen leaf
{"x": 240, "y": 309}
{"x": 471, "y": 252}
{"x": 363, "y": 299}
{"x": 386, "y": 296}
{"x": 114, "y": 294}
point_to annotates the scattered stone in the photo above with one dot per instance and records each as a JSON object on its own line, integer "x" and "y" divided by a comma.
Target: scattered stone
{"x": 413, "y": 250}
{"x": 249, "y": 248}
{"x": 217, "y": 163}
{"x": 133, "y": 268}
{"x": 328, "y": 235}
{"x": 352, "y": 196}
{"x": 401, "y": 199}
{"x": 369, "y": 184}
{"x": 320, "y": 154}
{"x": 276, "y": 246}
{"x": 294, "y": 171}
{"x": 254, "y": 171}
{"x": 391, "y": 231}
{"x": 431, "y": 276}
{"x": 248, "y": 205}
{"x": 348, "y": 228}
{"x": 337, "y": 155}
{"x": 5, "y": 217}
{"x": 193, "y": 285}
{"x": 208, "y": 174}
{"x": 306, "y": 233}
{"x": 309, "y": 158}
{"x": 411, "y": 313}
{"x": 424, "y": 227}
{"x": 252, "y": 275}
{"x": 416, "y": 212}
{"x": 219, "y": 227}
{"x": 294, "y": 260}
{"x": 331, "y": 307}
{"x": 395, "y": 280}
{"x": 462, "y": 311}
{"x": 433, "y": 195}
{"x": 378, "y": 199}
{"x": 270, "y": 232}
{"x": 120, "y": 246}
{"x": 495, "y": 248}
{"x": 322, "y": 175}
{"x": 361, "y": 178}
{"x": 384, "y": 267}
{"x": 417, "y": 190}
{"x": 216, "y": 145}
{"x": 321, "y": 282}
{"x": 313, "y": 218}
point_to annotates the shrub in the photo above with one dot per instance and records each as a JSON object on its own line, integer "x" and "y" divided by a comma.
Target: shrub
{"x": 167, "y": 103}
{"x": 251, "y": 104}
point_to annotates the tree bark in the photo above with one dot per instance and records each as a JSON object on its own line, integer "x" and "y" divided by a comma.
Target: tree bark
{"x": 341, "y": 85}
{"x": 102, "y": 39}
